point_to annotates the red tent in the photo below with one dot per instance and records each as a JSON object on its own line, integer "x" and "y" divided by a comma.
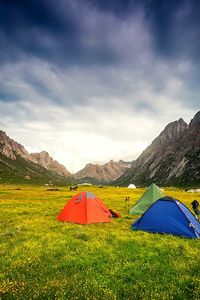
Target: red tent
{"x": 85, "y": 208}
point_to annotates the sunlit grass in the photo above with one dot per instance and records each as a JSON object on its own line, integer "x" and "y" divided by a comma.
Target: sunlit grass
{"x": 42, "y": 258}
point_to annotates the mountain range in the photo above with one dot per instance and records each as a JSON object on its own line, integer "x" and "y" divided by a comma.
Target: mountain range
{"x": 17, "y": 165}
{"x": 173, "y": 158}
{"x": 103, "y": 173}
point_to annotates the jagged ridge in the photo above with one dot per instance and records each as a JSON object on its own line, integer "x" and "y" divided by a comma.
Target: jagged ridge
{"x": 103, "y": 173}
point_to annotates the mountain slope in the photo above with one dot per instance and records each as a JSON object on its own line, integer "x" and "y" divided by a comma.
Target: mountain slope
{"x": 103, "y": 173}
{"x": 17, "y": 165}
{"x": 25, "y": 171}
{"x": 172, "y": 158}
{"x": 12, "y": 149}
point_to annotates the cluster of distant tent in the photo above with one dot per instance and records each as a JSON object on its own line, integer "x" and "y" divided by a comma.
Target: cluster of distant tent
{"x": 159, "y": 214}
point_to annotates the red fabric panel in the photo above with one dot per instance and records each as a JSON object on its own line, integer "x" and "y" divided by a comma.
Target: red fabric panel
{"x": 74, "y": 210}
{"x": 95, "y": 213}
{"x": 84, "y": 211}
{"x": 103, "y": 206}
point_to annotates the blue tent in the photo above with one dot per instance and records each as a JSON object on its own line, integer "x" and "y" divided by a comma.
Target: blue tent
{"x": 168, "y": 215}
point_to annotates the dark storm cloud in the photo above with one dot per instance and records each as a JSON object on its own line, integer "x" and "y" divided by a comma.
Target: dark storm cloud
{"x": 176, "y": 27}
{"x": 24, "y": 24}
{"x": 57, "y": 31}
{"x": 52, "y": 31}
{"x": 118, "y": 7}
{"x": 137, "y": 36}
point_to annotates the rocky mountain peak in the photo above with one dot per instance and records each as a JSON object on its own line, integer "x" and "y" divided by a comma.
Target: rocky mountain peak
{"x": 175, "y": 129}
{"x": 111, "y": 163}
{"x": 44, "y": 153}
{"x": 12, "y": 149}
{"x": 172, "y": 131}
{"x": 125, "y": 163}
{"x": 2, "y": 134}
{"x": 44, "y": 159}
{"x": 196, "y": 120}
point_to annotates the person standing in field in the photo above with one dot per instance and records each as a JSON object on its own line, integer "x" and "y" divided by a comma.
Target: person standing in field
{"x": 195, "y": 206}
{"x": 127, "y": 203}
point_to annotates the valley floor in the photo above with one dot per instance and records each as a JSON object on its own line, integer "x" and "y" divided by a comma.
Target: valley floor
{"x": 42, "y": 258}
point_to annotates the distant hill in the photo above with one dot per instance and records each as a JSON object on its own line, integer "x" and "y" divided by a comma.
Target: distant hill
{"x": 96, "y": 173}
{"x": 173, "y": 158}
{"x": 18, "y": 166}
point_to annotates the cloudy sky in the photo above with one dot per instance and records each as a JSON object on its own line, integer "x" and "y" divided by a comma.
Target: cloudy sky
{"x": 94, "y": 80}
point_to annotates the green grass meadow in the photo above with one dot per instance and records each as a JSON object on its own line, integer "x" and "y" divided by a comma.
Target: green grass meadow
{"x": 41, "y": 258}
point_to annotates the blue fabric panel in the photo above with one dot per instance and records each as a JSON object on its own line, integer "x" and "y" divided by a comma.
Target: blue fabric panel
{"x": 195, "y": 223}
{"x": 165, "y": 217}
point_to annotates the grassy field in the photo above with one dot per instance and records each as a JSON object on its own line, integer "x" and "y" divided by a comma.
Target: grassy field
{"x": 42, "y": 258}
